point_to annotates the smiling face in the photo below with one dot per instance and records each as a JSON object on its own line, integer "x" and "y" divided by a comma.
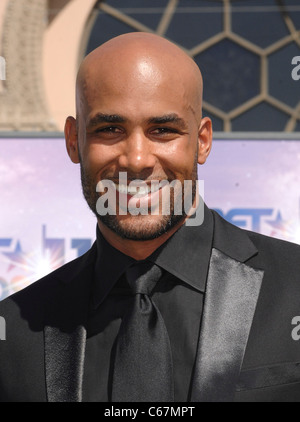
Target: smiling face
{"x": 139, "y": 112}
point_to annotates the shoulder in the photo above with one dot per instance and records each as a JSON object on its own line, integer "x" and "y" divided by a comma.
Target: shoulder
{"x": 259, "y": 239}
{"x": 280, "y": 261}
{"x": 266, "y": 250}
{"x": 274, "y": 245}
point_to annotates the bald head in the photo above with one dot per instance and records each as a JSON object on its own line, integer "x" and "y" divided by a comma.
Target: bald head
{"x": 137, "y": 59}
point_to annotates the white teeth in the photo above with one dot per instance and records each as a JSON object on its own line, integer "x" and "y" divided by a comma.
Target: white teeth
{"x": 121, "y": 188}
{"x": 133, "y": 190}
{"x": 155, "y": 187}
{"x": 141, "y": 190}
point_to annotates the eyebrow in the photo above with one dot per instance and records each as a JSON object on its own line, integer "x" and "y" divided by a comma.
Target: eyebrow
{"x": 116, "y": 118}
{"x": 105, "y": 118}
{"x": 168, "y": 118}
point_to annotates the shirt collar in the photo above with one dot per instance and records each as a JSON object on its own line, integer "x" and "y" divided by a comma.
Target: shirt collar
{"x": 185, "y": 254}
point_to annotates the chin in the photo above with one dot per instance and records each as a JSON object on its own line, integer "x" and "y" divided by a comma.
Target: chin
{"x": 141, "y": 227}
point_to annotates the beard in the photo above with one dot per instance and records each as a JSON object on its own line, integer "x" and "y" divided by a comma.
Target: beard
{"x": 139, "y": 227}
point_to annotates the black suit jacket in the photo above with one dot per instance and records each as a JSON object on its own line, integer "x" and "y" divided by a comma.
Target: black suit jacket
{"x": 245, "y": 351}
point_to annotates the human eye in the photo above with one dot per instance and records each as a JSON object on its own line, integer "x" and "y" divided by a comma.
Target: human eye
{"x": 165, "y": 132}
{"x": 109, "y": 132}
{"x": 108, "y": 129}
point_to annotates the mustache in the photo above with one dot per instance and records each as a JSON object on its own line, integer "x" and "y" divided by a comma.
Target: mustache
{"x": 115, "y": 177}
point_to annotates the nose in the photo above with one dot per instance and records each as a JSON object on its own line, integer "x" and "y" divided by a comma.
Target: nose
{"x": 138, "y": 153}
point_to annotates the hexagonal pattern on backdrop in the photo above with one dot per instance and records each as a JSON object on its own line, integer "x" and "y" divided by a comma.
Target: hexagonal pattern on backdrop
{"x": 243, "y": 47}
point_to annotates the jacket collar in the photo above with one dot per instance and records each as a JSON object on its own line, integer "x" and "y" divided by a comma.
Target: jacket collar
{"x": 231, "y": 240}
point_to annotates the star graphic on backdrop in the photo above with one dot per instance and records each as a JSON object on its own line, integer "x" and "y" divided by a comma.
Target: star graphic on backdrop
{"x": 16, "y": 257}
{"x": 279, "y": 223}
{"x": 290, "y": 229}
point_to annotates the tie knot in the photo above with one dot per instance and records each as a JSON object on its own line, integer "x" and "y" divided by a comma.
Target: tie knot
{"x": 143, "y": 276}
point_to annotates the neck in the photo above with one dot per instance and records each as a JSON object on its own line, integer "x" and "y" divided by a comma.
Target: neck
{"x": 137, "y": 249}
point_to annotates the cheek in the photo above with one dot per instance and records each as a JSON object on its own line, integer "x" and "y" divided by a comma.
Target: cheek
{"x": 181, "y": 159}
{"x": 94, "y": 157}
{"x": 101, "y": 161}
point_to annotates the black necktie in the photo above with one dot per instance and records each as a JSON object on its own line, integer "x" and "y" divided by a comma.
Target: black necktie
{"x": 143, "y": 370}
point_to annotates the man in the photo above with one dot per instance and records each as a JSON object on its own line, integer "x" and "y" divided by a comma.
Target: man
{"x": 224, "y": 299}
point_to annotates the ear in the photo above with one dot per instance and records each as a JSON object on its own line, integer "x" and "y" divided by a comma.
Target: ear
{"x": 204, "y": 139}
{"x": 72, "y": 139}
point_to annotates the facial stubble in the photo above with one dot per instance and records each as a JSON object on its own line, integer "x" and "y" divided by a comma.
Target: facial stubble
{"x": 140, "y": 227}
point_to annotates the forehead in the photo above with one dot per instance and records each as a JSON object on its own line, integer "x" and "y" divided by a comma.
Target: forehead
{"x": 142, "y": 75}
{"x": 140, "y": 81}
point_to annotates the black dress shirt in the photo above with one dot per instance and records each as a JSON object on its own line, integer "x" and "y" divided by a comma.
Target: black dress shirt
{"x": 179, "y": 296}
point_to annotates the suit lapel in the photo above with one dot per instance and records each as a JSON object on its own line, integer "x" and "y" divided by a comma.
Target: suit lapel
{"x": 65, "y": 332}
{"x": 231, "y": 295}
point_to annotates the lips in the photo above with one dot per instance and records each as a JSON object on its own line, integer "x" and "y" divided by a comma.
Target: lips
{"x": 138, "y": 190}
{"x": 139, "y": 195}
